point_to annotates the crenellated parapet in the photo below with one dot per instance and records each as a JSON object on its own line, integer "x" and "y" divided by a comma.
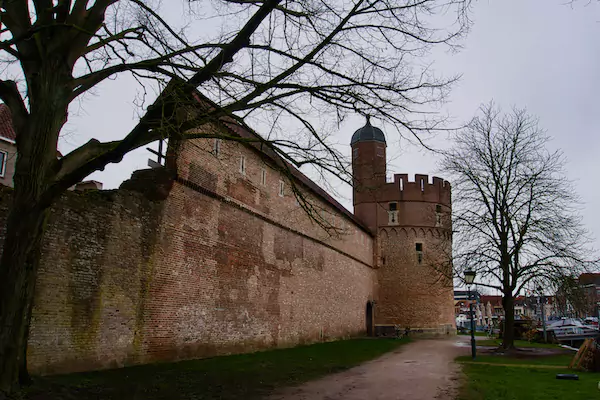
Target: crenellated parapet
{"x": 403, "y": 189}
{"x": 422, "y": 189}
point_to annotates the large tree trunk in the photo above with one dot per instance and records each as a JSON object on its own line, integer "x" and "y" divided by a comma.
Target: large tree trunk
{"x": 35, "y": 169}
{"x": 508, "y": 338}
{"x": 18, "y": 270}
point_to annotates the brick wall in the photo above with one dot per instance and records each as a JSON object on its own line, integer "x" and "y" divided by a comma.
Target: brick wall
{"x": 212, "y": 263}
{"x": 412, "y": 294}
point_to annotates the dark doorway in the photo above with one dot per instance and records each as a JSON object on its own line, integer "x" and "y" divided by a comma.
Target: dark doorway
{"x": 369, "y": 317}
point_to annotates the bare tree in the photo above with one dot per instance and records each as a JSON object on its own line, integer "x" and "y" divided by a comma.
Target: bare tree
{"x": 571, "y": 298}
{"x": 515, "y": 213}
{"x": 290, "y": 59}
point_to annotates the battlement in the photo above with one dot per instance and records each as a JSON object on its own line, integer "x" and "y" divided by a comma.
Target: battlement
{"x": 422, "y": 188}
{"x": 421, "y": 183}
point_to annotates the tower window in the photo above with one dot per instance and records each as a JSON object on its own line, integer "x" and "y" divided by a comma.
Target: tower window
{"x": 393, "y": 213}
{"x": 263, "y": 177}
{"x": 419, "y": 248}
{"x": 243, "y": 165}
{"x": 438, "y": 208}
{"x": 355, "y": 153}
{"x": 379, "y": 151}
{"x": 281, "y": 188}
{"x": 217, "y": 147}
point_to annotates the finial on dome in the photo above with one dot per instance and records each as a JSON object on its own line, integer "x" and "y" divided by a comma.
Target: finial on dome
{"x": 368, "y": 119}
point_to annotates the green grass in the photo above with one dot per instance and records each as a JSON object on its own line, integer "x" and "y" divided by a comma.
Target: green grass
{"x": 244, "y": 376}
{"x": 488, "y": 382}
{"x": 527, "y": 380}
{"x": 518, "y": 343}
{"x": 476, "y": 333}
{"x": 554, "y": 360}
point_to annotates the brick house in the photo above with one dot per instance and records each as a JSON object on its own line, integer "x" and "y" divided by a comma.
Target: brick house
{"x": 8, "y": 147}
{"x": 590, "y": 283}
{"x": 213, "y": 254}
{"x": 8, "y": 153}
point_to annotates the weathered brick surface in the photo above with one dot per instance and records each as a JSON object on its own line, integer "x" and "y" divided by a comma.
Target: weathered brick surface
{"x": 222, "y": 264}
{"x": 95, "y": 262}
{"x": 204, "y": 258}
{"x": 412, "y": 294}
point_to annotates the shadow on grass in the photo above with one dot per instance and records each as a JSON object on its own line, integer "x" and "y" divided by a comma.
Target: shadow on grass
{"x": 243, "y": 376}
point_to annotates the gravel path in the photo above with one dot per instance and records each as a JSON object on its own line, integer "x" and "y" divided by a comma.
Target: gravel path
{"x": 423, "y": 370}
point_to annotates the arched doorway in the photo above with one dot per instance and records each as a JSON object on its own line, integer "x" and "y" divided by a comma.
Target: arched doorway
{"x": 369, "y": 318}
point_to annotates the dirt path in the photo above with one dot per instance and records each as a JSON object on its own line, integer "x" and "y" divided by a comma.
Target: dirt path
{"x": 420, "y": 370}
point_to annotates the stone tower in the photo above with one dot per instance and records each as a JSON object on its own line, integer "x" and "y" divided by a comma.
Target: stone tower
{"x": 412, "y": 224}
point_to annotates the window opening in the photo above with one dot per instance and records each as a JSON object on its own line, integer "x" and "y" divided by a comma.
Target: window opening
{"x": 419, "y": 249}
{"x": 243, "y": 165}
{"x": 3, "y": 158}
{"x": 263, "y": 177}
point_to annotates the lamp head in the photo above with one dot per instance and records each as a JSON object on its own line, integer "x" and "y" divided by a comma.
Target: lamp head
{"x": 469, "y": 276}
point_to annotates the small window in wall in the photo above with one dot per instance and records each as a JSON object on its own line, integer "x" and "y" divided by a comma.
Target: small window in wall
{"x": 3, "y": 158}
{"x": 379, "y": 151}
{"x": 355, "y": 153}
{"x": 438, "y": 208}
{"x": 393, "y": 213}
{"x": 281, "y": 188}
{"x": 263, "y": 177}
{"x": 217, "y": 147}
{"x": 243, "y": 165}
{"x": 419, "y": 249}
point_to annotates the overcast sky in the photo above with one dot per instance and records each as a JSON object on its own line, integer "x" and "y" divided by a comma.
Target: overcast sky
{"x": 543, "y": 55}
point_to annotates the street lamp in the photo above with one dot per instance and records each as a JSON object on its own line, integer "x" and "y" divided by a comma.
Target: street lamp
{"x": 469, "y": 278}
{"x": 542, "y": 300}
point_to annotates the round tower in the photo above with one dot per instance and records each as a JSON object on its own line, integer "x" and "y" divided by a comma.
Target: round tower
{"x": 368, "y": 171}
{"x": 412, "y": 223}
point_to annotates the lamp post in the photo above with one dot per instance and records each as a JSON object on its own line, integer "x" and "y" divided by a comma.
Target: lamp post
{"x": 469, "y": 278}
{"x": 543, "y": 308}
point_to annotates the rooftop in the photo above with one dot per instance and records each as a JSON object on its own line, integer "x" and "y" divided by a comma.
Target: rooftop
{"x": 368, "y": 133}
{"x": 6, "y": 126}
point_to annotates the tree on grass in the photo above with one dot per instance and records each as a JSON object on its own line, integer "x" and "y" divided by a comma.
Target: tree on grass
{"x": 289, "y": 60}
{"x": 515, "y": 212}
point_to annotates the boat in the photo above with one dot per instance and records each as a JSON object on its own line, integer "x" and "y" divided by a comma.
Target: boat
{"x": 572, "y": 331}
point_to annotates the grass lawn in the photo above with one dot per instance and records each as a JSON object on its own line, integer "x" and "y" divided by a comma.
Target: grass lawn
{"x": 243, "y": 376}
{"x": 476, "y": 333}
{"x": 524, "y": 381}
{"x": 488, "y": 382}
{"x": 554, "y": 360}
{"x": 518, "y": 343}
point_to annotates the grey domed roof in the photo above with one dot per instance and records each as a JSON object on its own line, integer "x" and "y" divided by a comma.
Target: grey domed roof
{"x": 368, "y": 133}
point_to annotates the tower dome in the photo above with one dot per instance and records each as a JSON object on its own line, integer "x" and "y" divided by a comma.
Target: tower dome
{"x": 368, "y": 133}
